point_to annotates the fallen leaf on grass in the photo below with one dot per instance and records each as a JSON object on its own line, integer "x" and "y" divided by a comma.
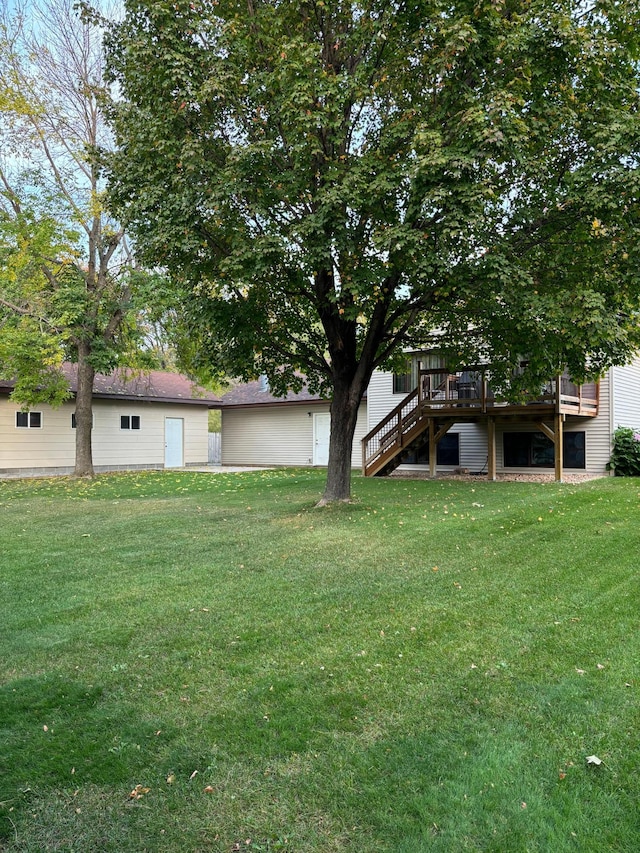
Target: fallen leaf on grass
{"x": 138, "y": 792}
{"x": 209, "y": 789}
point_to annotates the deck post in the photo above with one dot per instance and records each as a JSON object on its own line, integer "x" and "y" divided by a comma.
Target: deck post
{"x": 558, "y": 445}
{"x": 491, "y": 448}
{"x": 432, "y": 448}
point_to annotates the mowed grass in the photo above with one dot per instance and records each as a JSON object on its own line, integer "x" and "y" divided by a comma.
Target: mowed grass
{"x": 196, "y": 662}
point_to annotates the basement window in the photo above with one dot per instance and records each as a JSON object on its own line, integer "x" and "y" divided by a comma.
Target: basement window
{"x": 29, "y": 420}
{"x": 535, "y": 450}
{"x": 447, "y": 452}
{"x": 129, "y": 421}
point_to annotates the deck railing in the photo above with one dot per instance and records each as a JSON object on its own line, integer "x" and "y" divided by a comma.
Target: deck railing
{"x": 463, "y": 394}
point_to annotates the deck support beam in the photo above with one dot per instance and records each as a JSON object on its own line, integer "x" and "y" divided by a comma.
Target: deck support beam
{"x": 491, "y": 448}
{"x": 555, "y": 435}
{"x": 433, "y": 444}
{"x": 559, "y": 421}
{"x": 434, "y": 437}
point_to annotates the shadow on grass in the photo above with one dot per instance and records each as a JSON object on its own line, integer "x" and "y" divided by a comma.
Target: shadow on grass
{"x": 57, "y": 733}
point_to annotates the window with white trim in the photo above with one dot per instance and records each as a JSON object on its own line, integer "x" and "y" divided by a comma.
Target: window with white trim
{"x": 29, "y": 420}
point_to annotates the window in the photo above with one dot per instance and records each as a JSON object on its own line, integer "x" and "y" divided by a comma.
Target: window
{"x": 535, "y": 450}
{"x": 404, "y": 383}
{"x": 129, "y": 421}
{"x": 447, "y": 452}
{"x": 573, "y": 450}
{"x": 407, "y": 381}
{"x": 29, "y": 420}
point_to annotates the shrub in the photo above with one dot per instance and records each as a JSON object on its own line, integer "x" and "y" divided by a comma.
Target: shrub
{"x": 625, "y": 456}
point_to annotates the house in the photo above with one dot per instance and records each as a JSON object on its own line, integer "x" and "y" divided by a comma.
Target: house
{"x": 260, "y": 429}
{"x": 437, "y": 420}
{"x": 140, "y": 421}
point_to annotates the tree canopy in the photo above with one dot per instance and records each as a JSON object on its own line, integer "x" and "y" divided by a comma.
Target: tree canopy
{"x": 331, "y": 181}
{"x": 67, "y": 276}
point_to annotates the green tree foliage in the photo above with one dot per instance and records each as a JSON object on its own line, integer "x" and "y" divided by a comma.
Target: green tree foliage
{"x": 67, "y": 279}
{"x": 329, "y": 181}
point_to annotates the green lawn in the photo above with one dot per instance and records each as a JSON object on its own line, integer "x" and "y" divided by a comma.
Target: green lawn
{"x": 196, "y": 662}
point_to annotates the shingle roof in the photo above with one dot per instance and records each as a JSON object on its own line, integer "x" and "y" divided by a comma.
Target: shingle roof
{"x": 153, "y": 385}
{"x": 257, "y": 394}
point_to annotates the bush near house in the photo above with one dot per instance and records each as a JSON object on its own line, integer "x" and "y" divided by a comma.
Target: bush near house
{"x": 625, "y": 456}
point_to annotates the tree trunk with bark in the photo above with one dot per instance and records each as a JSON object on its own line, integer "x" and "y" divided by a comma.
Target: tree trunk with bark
{"x": 84, "y": 414}
{"x": 344, "y": 415}
{"x": 350, "y": 373}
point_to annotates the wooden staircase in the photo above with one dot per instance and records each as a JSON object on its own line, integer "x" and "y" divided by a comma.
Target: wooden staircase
{"x": 405, "y": 429}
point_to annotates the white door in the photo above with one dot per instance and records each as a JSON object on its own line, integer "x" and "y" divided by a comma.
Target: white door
{"x": 173, "y": 440}
{"x": 321, "y": 434}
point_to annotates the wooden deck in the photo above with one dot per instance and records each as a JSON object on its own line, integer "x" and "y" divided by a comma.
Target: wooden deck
{"x": 443, "y": 398}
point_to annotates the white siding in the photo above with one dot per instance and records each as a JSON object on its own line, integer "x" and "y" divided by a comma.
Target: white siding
{"x": 53, "y": 446}
{"x": 597, "y": 430}
{"x": 473, "y": 446}
{"x": 626, "y": 395}
{"x": 380, "y": 397}
{"x": 277, "y": 435}
{"x": 132, "y": 448}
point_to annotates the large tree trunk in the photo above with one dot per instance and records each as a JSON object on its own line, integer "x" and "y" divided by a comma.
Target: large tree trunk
{"x": 350, "y": 374}
{"x": 344, "y": 414}
{"x": 84, "y": 414}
